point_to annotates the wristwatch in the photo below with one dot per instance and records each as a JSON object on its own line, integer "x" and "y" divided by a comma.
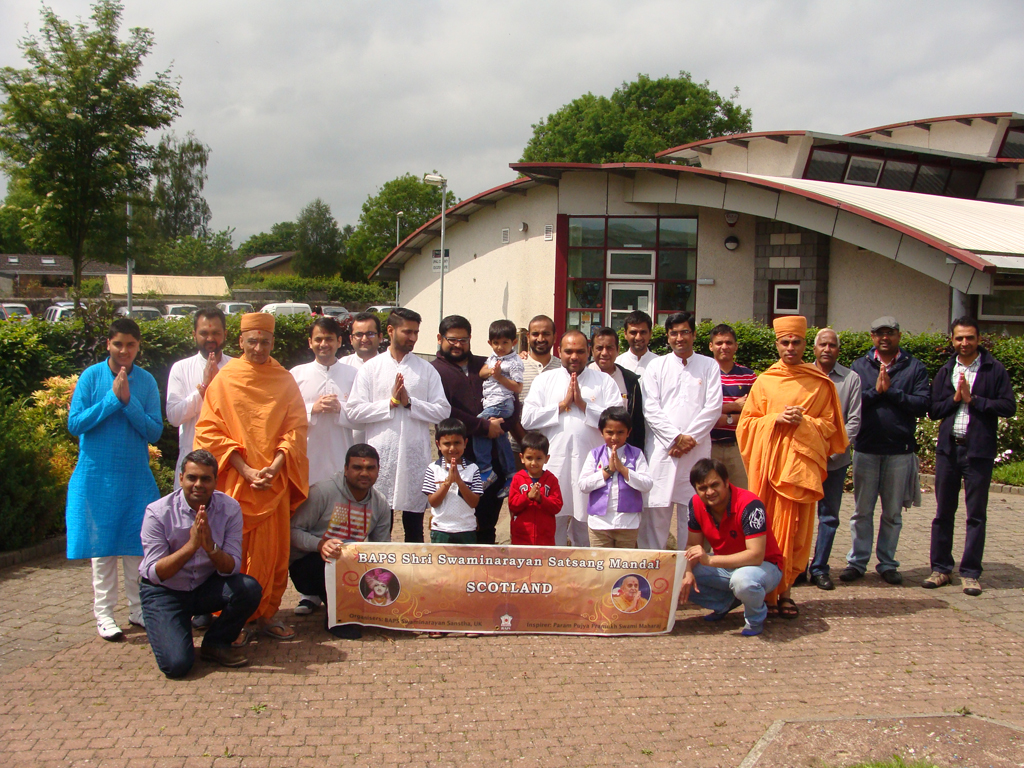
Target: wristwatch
{"x": 728, "y": 419}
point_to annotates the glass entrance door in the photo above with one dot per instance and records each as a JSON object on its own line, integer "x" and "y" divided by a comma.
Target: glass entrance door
{"x": 624, "y": 298}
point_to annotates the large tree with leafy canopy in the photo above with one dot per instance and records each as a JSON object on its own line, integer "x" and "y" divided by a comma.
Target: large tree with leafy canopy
{"x": 374, "y": 236}
{"x": 319, "y": 250}
{"x": 73, "y": 123}
{"x": 283, "y": 236}
{"x": 638, "y": 120}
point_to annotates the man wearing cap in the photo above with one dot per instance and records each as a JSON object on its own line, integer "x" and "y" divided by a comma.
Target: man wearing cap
{"x": 254, "y": 422}
{"x": 895, "y": 394}
{"x": 791, "y": 423}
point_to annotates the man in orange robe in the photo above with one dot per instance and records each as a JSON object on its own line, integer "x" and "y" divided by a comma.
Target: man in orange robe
{"x": 254, "y": 422}
{"x": 791, "y": 423}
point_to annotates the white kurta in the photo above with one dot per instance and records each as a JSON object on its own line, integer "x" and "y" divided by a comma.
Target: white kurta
{"x": 637, "y": 365}
{"x": 353, "y": 361}
{"x": 572, "y": 435}
{"x": 330, "y": 434}
{"x": 400, "y": 435}
{"x": 679, "y": 400}
{"x": 184, "y": 402}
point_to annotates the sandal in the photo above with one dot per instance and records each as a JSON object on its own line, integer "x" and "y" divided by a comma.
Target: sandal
{"x": 773, "y": 610}
{"x": 787, "y": 608}
{"x": 244, "y": 637}
{"x": 283, "y": 633}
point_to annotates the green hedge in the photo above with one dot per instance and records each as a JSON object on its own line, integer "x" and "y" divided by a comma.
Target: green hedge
{"x": 335, "y": 288}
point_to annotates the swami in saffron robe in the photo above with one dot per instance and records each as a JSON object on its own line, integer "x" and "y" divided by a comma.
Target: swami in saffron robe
{"x": 786, "y": 464}
{"x": 257, "y": 410}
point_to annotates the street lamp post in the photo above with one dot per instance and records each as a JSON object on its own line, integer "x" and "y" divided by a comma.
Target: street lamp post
{"x": 398, "y": 241}
{"x": 437, "y": 180}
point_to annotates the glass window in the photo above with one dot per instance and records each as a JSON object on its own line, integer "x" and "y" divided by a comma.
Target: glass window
{"x": 587, "y": 262}
{"x": 632, "y": 233}
{"x": 678, "y": 233}
{"x": 626, "y": 298}
{"x": 1003, "y": 304}
{"x": 586, "y": 232}
{"x": 931, "y": 180}
{"x": 630, "y": 264}
{"x": 675, "y": 297}
{"x": 677, "y": 265}
{"x": 787, "y": 299}
{"x": 898, "y": 175}
{"x": 826, "y": 166}
{"x": 1013, "y": 145}
{"x": 963, "y": 183}
{"x": 864, "y": 171}
{"x": 585, "y": 294}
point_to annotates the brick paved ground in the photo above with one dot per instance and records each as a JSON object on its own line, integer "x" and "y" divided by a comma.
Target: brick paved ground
{"x": 702, "y": 695}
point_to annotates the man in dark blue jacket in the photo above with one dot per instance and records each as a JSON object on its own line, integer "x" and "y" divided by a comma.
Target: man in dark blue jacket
{"x": 970, "y": 392}
{"x": 895, "y": 394}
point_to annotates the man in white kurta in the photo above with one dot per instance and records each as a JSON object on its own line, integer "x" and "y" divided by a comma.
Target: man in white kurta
{"x": 325, "y": 385}
{"x": 565, "y": 405}
{"x": 682, "y": 401}
{"x": 637, "y": 328}
{"x": 365, "y": 337}
{"x": 189, "y": 378}
{"x": 395, "y": 399}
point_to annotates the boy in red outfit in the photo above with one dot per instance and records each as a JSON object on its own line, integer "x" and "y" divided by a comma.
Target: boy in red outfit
{"x": 534, "y": 497}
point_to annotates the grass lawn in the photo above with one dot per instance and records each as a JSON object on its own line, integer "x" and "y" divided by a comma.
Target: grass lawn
{"x": 1009, "y": 474}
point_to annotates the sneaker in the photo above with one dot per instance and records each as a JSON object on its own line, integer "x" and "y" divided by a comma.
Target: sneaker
{"x": 936, "y": 580}
{"x": 307, "y": 605}
{"x": 849, "y": 573}
{"x": 137, "y": 619}
{"x": 202, "y": 621}
{"x": 503, "y": 493}
{"x": 971, "y": 586}
{"x": 488, "y": 478}
{"x": 108, "y": 629}
{"x": 892, "y": 576}
{"x": 224, "y": 655}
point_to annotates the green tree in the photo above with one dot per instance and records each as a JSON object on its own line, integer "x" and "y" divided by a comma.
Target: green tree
{"x": 319, "y": 249}
{"x": 73, "y": 124}
{"x": 209, "y": 254}
{"x": 374, "y": 235}
{"x": 179, "y": 174}
{"x": 638, "y": 120}
{"x": 283, "y": 236}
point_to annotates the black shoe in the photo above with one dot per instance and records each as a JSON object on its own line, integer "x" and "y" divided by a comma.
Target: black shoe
{"x": 346, "y": 631}
{"x": 849, "y": 573}
{"x": 822, "y": 581}
{"x": 801, "y": 579}
{"x": 224, "y": 655}
{"x": 892, "y": 576}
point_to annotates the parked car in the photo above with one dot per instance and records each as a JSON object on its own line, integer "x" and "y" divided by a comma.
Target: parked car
{"x": 59, "y": 311}
{"x": 12, "y": 311}
{"x": 235, "y": 307}
{"x": 288, "y": 308}
{"x": 175, "y": 311}
{"x": 342, "y": 315}
{"x": 381, "y": 308}
{"x": 140, "y": 313}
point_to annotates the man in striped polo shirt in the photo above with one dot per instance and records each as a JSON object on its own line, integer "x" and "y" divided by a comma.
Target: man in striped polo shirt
{"x": 736, "y": 383}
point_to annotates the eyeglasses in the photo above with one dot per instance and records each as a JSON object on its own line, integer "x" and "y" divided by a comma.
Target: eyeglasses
{"x": 368, "y": 335}
{"x": 683, "y": 332}
{"x": 462, "y": 341}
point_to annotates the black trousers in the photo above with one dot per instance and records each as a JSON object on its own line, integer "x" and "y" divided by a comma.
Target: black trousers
{"x": 308, "y": 575}
{"x": 976, "y": 474}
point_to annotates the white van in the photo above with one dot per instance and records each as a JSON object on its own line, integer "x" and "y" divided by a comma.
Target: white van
{"x": 288, "y": 308}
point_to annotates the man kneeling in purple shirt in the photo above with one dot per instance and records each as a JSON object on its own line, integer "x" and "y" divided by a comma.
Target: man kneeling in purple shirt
{"x": 192, "y": 552}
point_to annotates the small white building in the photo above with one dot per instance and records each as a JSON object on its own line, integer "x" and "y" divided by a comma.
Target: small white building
{"x": 921, "y": 220}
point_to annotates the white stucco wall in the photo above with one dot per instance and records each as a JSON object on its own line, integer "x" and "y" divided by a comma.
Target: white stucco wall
{"x": 488, "y": 281}
{"x": 863, "y": 285}
{"x": 732, "y": 296}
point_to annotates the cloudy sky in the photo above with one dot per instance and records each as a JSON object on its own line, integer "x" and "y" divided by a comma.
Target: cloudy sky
{"x": 332, "y": 98}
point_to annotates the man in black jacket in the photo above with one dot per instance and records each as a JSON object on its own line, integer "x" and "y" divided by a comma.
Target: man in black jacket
{"x": 969, "y": 393}
{"x": 605, "y": 350}
{"x": 459, "y": 370}
{"x": 895, "y": 394}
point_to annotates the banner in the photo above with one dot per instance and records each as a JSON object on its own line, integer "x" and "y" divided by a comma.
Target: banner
{"x": 495, "y": 589}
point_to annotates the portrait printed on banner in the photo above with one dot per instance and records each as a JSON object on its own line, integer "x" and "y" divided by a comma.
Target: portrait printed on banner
{"x": 631, "y": 593}
{"x": 379, "y": 587}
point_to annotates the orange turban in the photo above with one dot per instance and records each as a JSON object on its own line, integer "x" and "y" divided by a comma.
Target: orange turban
{"x": 257, "y": 321}
{"x": 790, "y": 325}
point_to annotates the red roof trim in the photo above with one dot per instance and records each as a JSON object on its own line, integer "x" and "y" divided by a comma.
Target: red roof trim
{"x": 729, "y": 137}
{"x": 946, "y": 118}
{"x": 453, "y": 209}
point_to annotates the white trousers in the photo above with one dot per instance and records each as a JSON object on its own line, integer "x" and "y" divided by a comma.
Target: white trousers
{"x": 654, "y": 526}
{"x": 567, "y": 526}
{"x": 104, "y": 586}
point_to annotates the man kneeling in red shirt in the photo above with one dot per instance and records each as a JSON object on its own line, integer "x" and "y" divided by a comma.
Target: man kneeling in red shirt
{"x": 534, "y": 497}
{"x": 746, "y": 561}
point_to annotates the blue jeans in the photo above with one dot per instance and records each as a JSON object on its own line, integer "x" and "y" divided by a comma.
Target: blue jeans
{"x": 483, "y": 446}
{"x": 749, "y": 584}
{"x": 168, "y": 614}
{"x": 828, "y": 519}
{"x": 876, "y": 476}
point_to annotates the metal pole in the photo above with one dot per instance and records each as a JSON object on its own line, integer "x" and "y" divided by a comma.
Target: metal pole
{"x": 129, "y": 264}
{"x": 444, "y": 193}
{"x": 398, "y": 242}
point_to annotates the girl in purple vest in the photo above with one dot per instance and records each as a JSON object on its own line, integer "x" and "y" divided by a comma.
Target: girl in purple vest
{"x": 616, "y": 477}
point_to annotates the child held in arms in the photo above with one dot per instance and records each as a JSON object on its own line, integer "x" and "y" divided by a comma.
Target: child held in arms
{"x": 503, "y": 381}
{"x": 616, "y": 477}
{"x": 534, "y": 497}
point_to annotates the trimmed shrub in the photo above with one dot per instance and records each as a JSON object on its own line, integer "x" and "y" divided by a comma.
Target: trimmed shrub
{"x": 335, "y": 288}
